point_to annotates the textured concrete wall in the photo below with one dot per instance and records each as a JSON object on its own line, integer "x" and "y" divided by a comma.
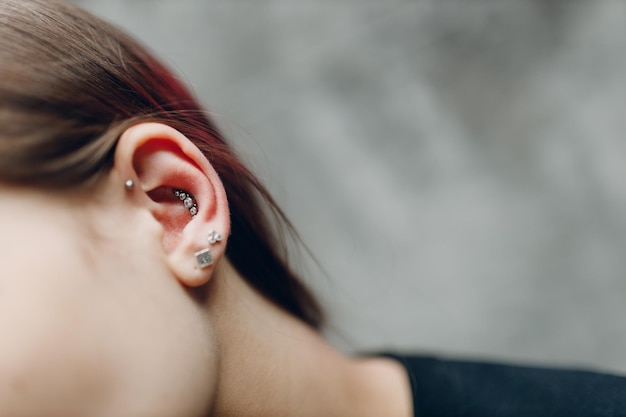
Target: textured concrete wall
{"x": 458, "y": 167}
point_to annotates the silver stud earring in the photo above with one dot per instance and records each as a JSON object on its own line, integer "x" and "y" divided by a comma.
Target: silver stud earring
{"x": 188, "y": 201}
{"x": 214, "y": 237}
{"x": 204, "y": 258}
{"x": 129, "y": 184}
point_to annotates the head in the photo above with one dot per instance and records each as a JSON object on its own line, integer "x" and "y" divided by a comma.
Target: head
{"x": 100, "y": 291}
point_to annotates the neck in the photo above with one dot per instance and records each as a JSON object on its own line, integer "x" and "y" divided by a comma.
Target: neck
{"x": 272, "y": 364}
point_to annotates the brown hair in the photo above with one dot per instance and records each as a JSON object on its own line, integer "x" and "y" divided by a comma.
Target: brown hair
{"x": 70, "y": 84}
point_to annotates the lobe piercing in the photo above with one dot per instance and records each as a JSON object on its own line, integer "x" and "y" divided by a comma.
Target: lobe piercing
{"x": 188, "y": 201}
{"x": 204, "y": 258}
{"x": 129, "y": 184}
{"x": 214, "y": 237}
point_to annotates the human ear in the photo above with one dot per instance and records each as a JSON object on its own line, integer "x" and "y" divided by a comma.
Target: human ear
{"x": 161, "y": 163}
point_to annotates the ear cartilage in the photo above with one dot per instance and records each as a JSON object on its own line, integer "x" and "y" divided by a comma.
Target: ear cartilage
{"x": 204, "y": 258}
{"x": 214, "y": 237}
{"x": 188, "y": 201}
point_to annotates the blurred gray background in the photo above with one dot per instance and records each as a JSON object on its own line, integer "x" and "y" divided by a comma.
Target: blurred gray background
{"x": 457, "y": 166}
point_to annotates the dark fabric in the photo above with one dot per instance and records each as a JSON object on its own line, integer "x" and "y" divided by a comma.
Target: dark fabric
{"x": 475, "y": 389}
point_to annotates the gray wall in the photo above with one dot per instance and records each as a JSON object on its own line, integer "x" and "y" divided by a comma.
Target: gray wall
{"x": 458, "y": 167}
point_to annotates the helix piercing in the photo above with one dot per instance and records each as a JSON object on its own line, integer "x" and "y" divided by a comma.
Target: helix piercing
{"x": 129, "y": 184}
{"x": 188, "y": 201}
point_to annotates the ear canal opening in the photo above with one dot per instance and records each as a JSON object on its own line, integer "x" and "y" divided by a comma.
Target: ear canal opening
{"x": 162, "y": 195}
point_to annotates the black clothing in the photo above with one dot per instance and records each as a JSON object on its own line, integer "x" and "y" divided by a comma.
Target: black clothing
{"x": 474, "y": 389}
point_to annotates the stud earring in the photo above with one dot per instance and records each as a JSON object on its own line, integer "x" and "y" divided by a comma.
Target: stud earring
{"x": 188, "y": 201}
{"x": 214, "y": 237}
{"x": 204, "y": 258}
{"x": 129, "y": 184}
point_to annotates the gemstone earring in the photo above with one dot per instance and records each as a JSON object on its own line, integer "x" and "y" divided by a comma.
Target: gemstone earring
{"x": 214, "y": 237}
{"x": 188, "y": 201}
{"x": 204, "y": 258}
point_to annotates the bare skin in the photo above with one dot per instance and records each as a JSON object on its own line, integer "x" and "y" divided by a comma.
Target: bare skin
{"x": 273, "y": 365}
{"x": 103, "y": 311}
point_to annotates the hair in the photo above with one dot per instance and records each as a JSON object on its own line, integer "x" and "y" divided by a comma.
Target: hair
{"x": 70, "y": 84}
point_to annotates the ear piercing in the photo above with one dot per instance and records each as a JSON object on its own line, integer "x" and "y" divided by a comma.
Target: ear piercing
{"x": 203, "y": 257}
{"x": 185, "y": 197}
{"x": 188, "y": 201}
{"x": 214, "y": 237}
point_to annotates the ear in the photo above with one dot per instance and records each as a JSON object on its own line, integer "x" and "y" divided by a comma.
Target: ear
{"x": 160, "y": 161}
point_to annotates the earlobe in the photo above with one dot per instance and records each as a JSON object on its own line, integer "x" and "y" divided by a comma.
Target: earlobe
{"x": 174, "y": 181}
